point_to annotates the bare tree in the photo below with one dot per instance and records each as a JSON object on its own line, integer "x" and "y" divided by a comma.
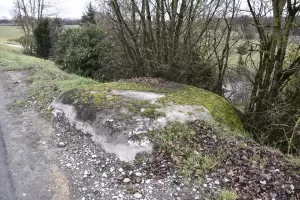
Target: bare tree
{"x": 223, "y": 42}
{"x": 165, "y": 35}
{"x": 279, "y": 61}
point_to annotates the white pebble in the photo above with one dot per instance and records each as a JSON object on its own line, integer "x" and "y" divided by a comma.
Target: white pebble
{"x": 137, "y": 195}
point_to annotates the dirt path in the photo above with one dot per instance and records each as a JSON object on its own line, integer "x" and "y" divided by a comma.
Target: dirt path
{"x": 28, "y": 168}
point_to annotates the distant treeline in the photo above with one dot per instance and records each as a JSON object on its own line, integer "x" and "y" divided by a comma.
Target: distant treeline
{"x": 63, "y": 21}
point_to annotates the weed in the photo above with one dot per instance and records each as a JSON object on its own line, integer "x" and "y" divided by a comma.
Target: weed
{"x": 258, "y": 160}
{"x": 180, "y": 141}
{"x": 190, "y": 113}
{"x": 225, "y": 194}
{"x": 18, "y": 104}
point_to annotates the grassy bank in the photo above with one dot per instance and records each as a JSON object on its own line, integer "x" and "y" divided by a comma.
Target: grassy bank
{"x": 47, "y": 79}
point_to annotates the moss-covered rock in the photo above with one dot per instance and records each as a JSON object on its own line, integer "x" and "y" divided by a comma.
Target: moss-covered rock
{"x": 99, "y": 96}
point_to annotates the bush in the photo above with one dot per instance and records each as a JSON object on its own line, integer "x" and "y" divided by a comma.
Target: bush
{"x": 86, "y": 51}
{"x": 26, "y": 42}
{"x": 45, "y": 34}
{"x": 42, "y": 39}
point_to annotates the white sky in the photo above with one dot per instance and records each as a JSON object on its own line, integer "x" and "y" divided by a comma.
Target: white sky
{"x": 67, "y": 8}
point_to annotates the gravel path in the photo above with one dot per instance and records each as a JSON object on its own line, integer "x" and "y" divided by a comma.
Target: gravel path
{"x": 28, "y": 168}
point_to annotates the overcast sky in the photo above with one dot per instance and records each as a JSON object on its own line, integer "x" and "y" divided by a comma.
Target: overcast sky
{"x": 68, "y": 8}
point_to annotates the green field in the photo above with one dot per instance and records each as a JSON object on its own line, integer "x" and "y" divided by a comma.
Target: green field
{"x": 9, "y": 33}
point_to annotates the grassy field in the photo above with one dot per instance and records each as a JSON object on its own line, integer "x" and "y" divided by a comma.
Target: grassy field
{"x": 9, "y": 33}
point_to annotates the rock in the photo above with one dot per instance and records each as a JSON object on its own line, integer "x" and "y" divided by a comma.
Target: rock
{"x": 263, "y": 182}
{"x": 120, "y": 170}
{"x": 86, "y": 172}
{"x": 104, "y": 175}
{"x": 138, "y": 174}
{"x": 226, "y": 180}
{"x": 148, "y": 181}
{"x": 69, "y": 165}
{"x": 126, "y": 180}
{"x": 61, "y": 144}
{"x": 94, "y": 156}
{"x": 292, "y": 187}
{"x": 217, "y": 182}
{"x": 112, "y": 169}
{"x": 137, "y": 195}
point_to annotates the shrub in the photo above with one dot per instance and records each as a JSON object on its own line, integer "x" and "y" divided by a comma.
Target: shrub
{"x": 26, "y": 42}
{"x": 45, "y": 34}
{"x": 89, "y": 15}
{"x": 42, "y": 39}
{"x": 86, "y": 51}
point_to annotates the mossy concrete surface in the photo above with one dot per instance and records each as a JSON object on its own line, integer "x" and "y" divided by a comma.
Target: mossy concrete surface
{"x": 220, "y": 108}
{"x": 119, "y": 115}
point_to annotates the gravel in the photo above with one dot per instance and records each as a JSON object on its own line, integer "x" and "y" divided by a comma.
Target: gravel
{"x": 95, "y": 174}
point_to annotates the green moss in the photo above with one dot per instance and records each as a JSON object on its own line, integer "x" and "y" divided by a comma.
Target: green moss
{"x": 219, "y": 107}
{"x": 190, "y": 113}
{"x": 132, "y": 108}
{"x": 227, "y": 195}
{"x": 99, "y": 97}
{"x": 151, "y": 111}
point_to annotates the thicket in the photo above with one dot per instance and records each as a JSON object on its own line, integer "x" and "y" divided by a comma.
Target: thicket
{"x": 87, "y": 51}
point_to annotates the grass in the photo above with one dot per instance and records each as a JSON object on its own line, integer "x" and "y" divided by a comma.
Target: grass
{"x": 9, "y": 33}
{"x": 225, "y": 194}
{"x": 18, "y": 104}
{"x": 179, "y": 140}
{"x": 47, "y": 80}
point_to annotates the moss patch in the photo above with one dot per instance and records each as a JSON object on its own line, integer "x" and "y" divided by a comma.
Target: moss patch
{"x": 151, "y": 112}
{"x": 219, "y": 107}
{"x": 225, "y": 194}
